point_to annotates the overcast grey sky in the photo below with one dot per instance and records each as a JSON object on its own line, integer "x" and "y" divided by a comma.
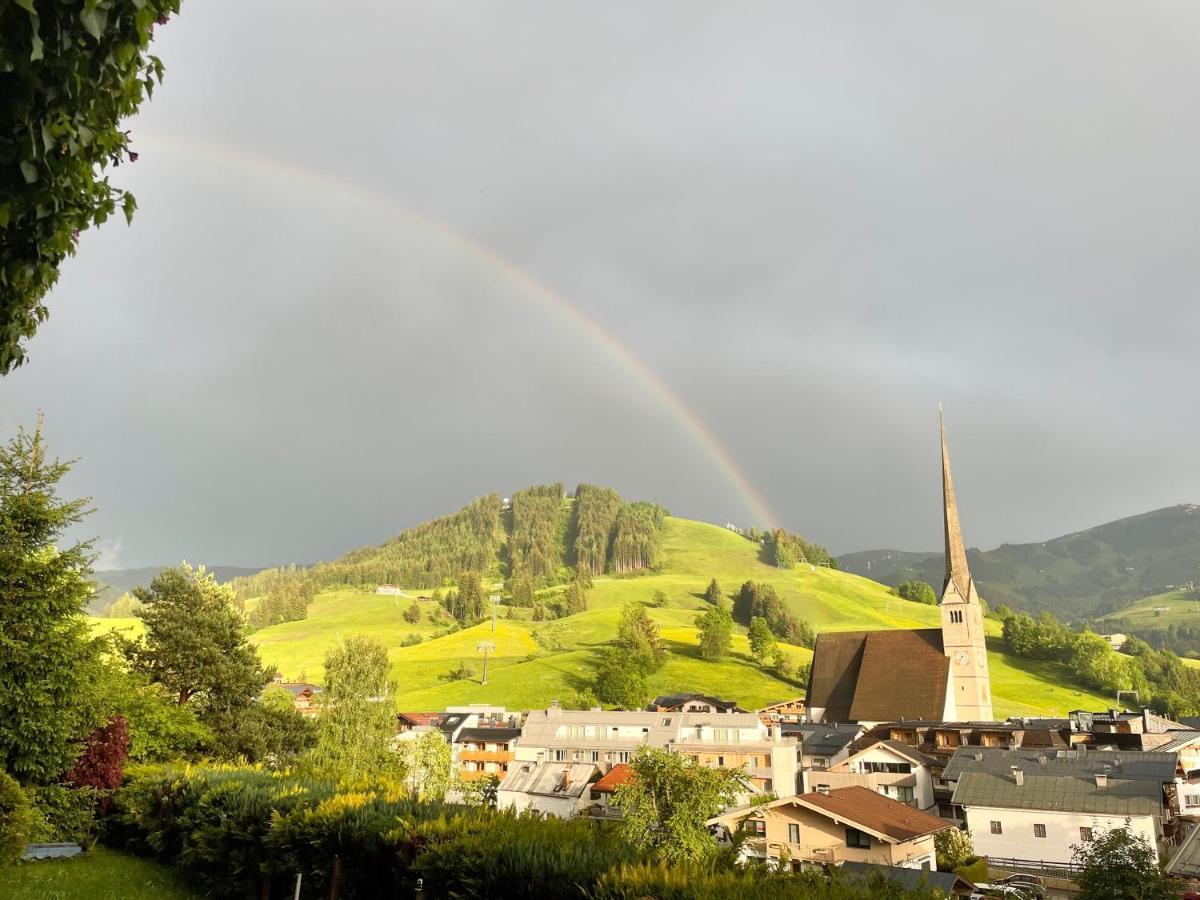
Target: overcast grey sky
{"x": 811, "y": 221}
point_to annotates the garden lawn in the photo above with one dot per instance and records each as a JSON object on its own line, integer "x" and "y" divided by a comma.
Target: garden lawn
{"x": 100, "y": 874}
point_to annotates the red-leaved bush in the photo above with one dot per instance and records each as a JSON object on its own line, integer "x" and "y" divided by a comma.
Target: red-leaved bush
{"x": 103, "y": 761}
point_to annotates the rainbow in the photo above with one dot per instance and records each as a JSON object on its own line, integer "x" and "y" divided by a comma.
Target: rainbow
{"x": 530, "y": 286}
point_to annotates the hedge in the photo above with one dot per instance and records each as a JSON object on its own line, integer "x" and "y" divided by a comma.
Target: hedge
{"x": 16, "y": 820}
{"x": 247, "y": 833}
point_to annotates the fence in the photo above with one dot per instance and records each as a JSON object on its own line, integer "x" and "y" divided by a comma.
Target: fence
{"x": 1051, "y": 869}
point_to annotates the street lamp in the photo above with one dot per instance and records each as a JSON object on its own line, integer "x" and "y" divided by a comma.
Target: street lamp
{"x": 485, "y": 647}
{"x": 495, "y": 598}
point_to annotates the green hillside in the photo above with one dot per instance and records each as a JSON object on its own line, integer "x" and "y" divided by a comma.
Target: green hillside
{"x": 1161, "y": 610}
{"x": 1081, "y": 575}
{"x": 535, "y": 663}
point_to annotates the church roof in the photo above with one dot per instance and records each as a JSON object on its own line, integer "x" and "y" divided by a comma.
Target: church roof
{"x": 879, "y": 676}
{"x": 956, "y": 553}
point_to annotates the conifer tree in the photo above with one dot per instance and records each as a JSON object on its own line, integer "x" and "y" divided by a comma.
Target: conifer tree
{"x": 43, "y": 634}
{"x": 713, "y": 594}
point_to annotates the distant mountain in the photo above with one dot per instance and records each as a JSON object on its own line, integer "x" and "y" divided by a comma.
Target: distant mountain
{"x": 112, "y": 583}
{"x": 1085, "y": 574}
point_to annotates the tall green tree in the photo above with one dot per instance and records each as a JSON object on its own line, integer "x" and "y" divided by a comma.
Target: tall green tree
{"x": 575, "y": 599}
{"x": 762, "y": 639}
{"x": 426, "y": 762}
{"x": 358, "y": 710}
{"x": 638, "y": 636}
{"x": 713, "y": 594}
{"x": 1119, "y": 865}
{"x": 470, "y": 598}
{"x": 44, "y": 645}
{"x": 71, "y": 75}
{"x": 667, "y": 800}
{"x": 195, "y": 644}
{"x": 716, "y": 633}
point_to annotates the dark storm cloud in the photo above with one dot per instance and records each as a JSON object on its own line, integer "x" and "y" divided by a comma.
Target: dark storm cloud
{"x": 812, "y": 222}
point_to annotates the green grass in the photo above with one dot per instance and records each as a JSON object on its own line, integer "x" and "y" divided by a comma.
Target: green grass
{"x": 1182, "y": 608}
{"x": 98, "y": 875}
{"x": 535, "y": 663}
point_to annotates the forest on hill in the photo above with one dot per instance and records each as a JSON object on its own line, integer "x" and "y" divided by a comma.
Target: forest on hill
{"x": 1078, "y": 576}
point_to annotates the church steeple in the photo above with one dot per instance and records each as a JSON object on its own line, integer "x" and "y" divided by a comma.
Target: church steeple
{"x": 956, "y": 553}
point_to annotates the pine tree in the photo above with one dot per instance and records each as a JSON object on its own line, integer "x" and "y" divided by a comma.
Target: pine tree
{"x": 43, "y": 634}
{"x": 713, "y": 595}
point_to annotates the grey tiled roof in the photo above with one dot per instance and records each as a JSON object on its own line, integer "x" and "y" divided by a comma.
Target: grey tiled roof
{"x": 1117, "y": 764}
{"x": 822, "y": 740}
{"x": 1057, "y": 793}
{"x": 551, "y": 779}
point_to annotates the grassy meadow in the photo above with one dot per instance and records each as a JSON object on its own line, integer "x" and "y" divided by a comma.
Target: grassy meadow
{"x": 536, "y": 662}
{"x": 1161, "y": 610}
{"x": 99, "y": 874}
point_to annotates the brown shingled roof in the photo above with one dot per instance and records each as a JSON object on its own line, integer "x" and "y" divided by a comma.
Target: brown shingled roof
{"x": 617, "y": 776}
{"x": 902, "y": 676}
{"x": 873, "y": 812}
{"x": 837, "y": 656}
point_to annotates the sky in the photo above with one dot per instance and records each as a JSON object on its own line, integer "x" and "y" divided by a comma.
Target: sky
{"x": 727, "y": 257}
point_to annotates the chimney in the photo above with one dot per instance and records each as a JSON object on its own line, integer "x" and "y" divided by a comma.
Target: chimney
{"x": 1146, "y": 720}
{"x": 1101, "y": 780}
{"x": 776, "y": 732}
{"x": 555, "y": 711}
{"x": 823, "y": 789}
{"x": 1018, "y": 775}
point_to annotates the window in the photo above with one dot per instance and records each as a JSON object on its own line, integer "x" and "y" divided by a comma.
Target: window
{"x": 904, "y": 794}
{"x": 997, "y": 828}
{"x": 873, "y": 768}
{"x": 666, "y": 722}
{"x": 1085, "y": 834}
{"x": 1191, "y": 801}
{"x": 1039, "y": 831}
{"x": 721, "y": 761}
{"x": 560, "y": 755}
{"x": 755, "y": 826}
{"x": 793, "y": 833}
{"x": 820, "y": 762}
{"x": 595, "y": 756}
{"x": 856, "y": 838}
{"x": 768, "y": 785}
{"x": 623, "y": 756}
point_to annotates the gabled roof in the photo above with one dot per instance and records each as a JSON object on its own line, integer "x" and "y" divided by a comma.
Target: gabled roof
{"x": 888, "y": 820}
{"x": 879, "y": 676}
{"x": 1178, "y": 741}
{"x": 1123, "y": 764}
{"x": 899, "y": 748}
{"x": 296, "y": 688}
{"x": 417, "y": 719}
{"x": 550, "y": 779}
{"x": 617, "y": 776}
{"x": 488, "y": 735}
{"x": 771, "y": 707}
{"x": 817, "y": 739}
{"x": 1059, "y": 793}
{"x": 673, "y": 701}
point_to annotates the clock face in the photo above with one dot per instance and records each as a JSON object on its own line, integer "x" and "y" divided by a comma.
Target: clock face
{"x": 961, "y": 657}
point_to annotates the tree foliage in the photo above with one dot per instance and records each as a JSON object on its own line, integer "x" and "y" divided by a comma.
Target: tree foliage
{"x": 69, "y": 75}
{"x": 195, "y": 645}
{"x": 667, "y": 800}
{"x": 425, "y": 556}
{"x": 713, "y": 593}
{"x": 44, "y": 644}
{"x": 358, "y": 718}
{"x": 757, "y": 599}
{"x": 596, "y": 511}
{"x": 789, "y": 549}
{"x": 16, "y": 820}
{"x": 761, "y": 638}
{"x": 283, "y": 595}
{"x": 575, "y": 599}
{"x": 715, "y": 627}
{"x": 1119, "y": 865}
{"x": 426, "y": 763}
{"x": 918, "y": 592}
{"x": 536, "y": 544}
{"x": 103, "y": 760}
{"x": 637, "y": 534}
{"x": 953, "y": 848}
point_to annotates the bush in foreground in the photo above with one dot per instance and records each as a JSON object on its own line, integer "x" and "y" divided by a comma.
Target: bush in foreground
{"x": 16, "y": 820}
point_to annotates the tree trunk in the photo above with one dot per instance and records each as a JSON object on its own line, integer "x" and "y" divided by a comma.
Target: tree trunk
{"x": 336, "y": 880}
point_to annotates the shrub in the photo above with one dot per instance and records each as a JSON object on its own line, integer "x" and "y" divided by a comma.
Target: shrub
{"x": 103, "y": 760}
{"x": 62, "y": 813}
{"x": 412, "y": 640}
{"x": 16, "y": 820}
{"x": 974, "y": 869}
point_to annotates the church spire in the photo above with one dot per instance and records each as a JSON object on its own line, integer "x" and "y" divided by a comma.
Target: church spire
{"x": 956, "y": 553}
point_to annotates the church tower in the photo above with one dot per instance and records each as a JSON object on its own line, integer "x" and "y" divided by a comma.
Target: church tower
{"x": 962, "y": 615}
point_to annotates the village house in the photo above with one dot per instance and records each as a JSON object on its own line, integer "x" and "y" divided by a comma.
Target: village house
{"x": 552, "y": 789}
{"x": 727, "y": 740}
{"x": 304, "y": 695}
{"x": 693, "y": 703}
{"x": 1031, "y": 805}
{"x": 484, "y": 752}
{"x": 822, "y": 746}
{"x": 791, "y": 711}
{"x": 850, "y": 824}
{"x": 890, "y": 768}
{"x": 603, "y": 790}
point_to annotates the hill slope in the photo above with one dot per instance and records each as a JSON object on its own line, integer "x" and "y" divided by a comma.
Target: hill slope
{"x": 1088, "y": 573}
{"x": 535, "y": 663}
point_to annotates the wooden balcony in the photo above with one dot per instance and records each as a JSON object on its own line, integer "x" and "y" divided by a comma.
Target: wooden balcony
{"x": 497, "y": 756}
